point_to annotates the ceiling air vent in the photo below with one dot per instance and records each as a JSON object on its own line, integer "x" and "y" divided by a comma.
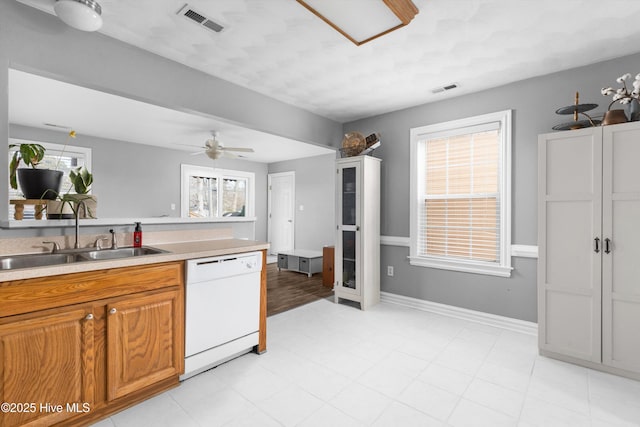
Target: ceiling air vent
{"x": 444, "y": 88}
{"x": 187, "y": 12}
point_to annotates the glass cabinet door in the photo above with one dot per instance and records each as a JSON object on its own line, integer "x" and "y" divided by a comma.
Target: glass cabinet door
{"x": 349, "y": 223}
{"x": 349, "y": 259}
{"x": 349, "y": 196}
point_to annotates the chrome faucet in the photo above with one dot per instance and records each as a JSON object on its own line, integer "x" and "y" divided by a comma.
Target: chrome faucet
{"x": 98, "y": 243}
{"x": 77, "y": 212}
{"x": 55, "y": 248}
{"x": 114, "y": 240}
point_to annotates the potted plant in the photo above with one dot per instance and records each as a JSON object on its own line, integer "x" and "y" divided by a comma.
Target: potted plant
{"x": 34, "y": 183}
{"x": 65, "y": 206}
{"x": 624, "y": 97}
{"x": 81, "y": 179}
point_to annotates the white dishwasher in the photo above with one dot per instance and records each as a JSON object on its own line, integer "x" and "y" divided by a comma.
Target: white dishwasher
{"x": 222, "y": 311}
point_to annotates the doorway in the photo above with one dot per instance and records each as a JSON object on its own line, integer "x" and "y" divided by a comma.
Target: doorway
{"x": 281, "y": 206}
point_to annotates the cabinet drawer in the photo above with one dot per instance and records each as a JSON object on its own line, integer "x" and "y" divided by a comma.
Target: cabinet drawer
{"x": 24, "y": 296}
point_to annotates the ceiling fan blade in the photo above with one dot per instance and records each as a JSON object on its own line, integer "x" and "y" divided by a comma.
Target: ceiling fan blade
{"x": 197, "y": 153}
{"x": 244, "y": 150}
{"x": 229, "y": 155}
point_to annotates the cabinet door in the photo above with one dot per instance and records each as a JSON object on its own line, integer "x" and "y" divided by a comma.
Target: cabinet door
{"x": 569, "y": 265}
{"x": 620, "y": 264}
{"x": 348, "y": 215}
{"x": 145, "y": 341}
{"x": 47, "y": 366}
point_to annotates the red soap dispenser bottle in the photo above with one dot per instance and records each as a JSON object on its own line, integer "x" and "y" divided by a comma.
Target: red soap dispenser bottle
{"x": 137, "y": 236}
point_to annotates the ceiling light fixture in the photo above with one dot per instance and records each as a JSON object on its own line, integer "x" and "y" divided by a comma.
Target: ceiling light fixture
{"x": 363, "y": 20}
{"x": 84, "y": 15}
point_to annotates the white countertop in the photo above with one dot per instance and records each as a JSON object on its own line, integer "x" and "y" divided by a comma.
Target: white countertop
{"x": 176, "y": 252}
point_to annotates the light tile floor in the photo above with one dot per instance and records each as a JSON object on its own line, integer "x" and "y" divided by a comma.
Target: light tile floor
{"x": 333, "y": 365}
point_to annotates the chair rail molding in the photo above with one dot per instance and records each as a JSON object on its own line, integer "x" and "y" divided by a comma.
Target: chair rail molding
{"x": 522, "y": 251}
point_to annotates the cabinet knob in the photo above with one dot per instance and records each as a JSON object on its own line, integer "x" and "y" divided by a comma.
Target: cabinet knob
{"x": 89, "y": 317}
{"x": 113, "y": 311}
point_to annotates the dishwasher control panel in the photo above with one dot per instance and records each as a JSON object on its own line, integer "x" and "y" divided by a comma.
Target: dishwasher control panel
{"x": 203, "y": 269}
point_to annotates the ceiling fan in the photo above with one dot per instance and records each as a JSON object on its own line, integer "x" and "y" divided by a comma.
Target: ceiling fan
{"x": 214, "y": 149}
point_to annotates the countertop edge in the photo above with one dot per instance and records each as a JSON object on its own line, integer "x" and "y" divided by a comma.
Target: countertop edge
{"x": 176, "y": 252}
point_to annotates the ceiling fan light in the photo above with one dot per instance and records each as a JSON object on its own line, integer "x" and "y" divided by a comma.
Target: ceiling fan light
{"x": 84, "y": 15}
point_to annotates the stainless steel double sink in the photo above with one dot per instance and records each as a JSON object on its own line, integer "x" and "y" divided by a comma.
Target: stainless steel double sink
{"x": 77, "y": 255}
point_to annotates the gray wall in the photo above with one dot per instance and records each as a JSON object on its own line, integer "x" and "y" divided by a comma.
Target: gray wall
{"x": 315, "y": 190}
{"x": 34, "y": 41}
{"x": 533, "y": 102}
{"x": 142, "y": 181}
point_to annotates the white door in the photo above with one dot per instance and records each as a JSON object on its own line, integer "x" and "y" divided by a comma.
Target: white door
{"x": 570, "y": 242}
{"x": 281, "y": 201}
{"x": 621, "y": 234}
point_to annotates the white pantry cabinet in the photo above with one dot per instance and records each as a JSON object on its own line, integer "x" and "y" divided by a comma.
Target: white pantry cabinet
{"x": 589, "y": 247}
{"x": 357, "y": 251}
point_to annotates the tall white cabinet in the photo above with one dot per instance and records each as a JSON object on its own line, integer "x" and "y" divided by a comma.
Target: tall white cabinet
{"x": 589, "y": 247}
{"x": 357, "y": 251}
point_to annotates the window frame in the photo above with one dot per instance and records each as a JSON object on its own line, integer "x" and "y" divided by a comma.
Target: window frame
{"x": 418, "y": 136}
{"x": 187, "y": 171}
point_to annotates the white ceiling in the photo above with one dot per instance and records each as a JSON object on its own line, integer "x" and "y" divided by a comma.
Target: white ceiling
{"x": 279, "y": 48}
{"x": 35, "y": 101}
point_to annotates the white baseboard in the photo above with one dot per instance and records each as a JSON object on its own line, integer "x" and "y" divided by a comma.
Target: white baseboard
{"x": 508, "y": 323}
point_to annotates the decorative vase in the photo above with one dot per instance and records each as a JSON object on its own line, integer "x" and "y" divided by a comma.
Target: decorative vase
{"x": 58, "y": 209}
{"x": 39, "y": 183}
{"x": 632, "y": 110}
{"x": 613, "y": 117}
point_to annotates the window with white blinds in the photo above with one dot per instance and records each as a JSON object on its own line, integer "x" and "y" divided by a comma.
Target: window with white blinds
{"x": 460, "y": 175}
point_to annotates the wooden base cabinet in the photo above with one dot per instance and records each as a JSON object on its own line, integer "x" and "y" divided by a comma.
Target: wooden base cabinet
{"x": 141, "y": 345}
{"x": 47, "y": 363}
{"x": 589, "y": 247}
{"x": 96, "y": 343}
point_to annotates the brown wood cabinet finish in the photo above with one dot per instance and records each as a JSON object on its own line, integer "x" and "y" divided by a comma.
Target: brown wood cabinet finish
{"x": 142, "y": 342}
{"x": 37, "y": 370}
{"x": 262, "y": 332}
{"x": 60, "y": 343}
{"x": 328, "y": 262}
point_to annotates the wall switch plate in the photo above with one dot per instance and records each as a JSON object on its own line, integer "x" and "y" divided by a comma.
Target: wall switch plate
{"x": 301, "y": 207}
{"x": 173, "y": 206}
{"x": 390, "y": 270}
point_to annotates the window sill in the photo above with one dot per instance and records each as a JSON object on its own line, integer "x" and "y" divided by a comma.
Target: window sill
{"x": 462, "y": 266}
{"x": 53, "y": 223}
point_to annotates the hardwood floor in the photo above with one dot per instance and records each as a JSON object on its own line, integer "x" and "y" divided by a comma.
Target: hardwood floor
{"x": 290, "y": 289}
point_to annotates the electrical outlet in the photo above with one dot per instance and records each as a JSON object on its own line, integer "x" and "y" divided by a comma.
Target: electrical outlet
{"x": 390, "y": 270}
{"x": 173, "y": 206}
